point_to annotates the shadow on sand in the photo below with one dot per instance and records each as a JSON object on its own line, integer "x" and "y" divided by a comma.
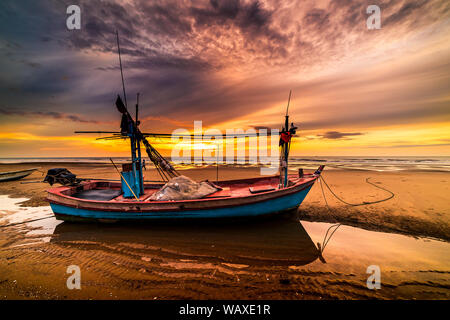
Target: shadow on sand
{"x": 271, "y": 241}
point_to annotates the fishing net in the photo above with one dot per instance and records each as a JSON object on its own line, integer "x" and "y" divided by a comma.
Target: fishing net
{"x": 184, "y": 188}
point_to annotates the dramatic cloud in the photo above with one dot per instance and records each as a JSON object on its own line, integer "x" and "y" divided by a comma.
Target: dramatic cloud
{"x": 47, "y": 114}
{"x": 339, "y": 135}
{"x": 229, "y": 63}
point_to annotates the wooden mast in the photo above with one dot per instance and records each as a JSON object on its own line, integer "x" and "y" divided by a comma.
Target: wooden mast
{"x": 285, "y": 145}
{"x": 134, "y": 140}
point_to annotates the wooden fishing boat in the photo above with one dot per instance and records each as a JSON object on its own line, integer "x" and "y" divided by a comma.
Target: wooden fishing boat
{"x": 131, "y": 199}
{"x": 103, "y": 201}
{"x": 15, "y": 175}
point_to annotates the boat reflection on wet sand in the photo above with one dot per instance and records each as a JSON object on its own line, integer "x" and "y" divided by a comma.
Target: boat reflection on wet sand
{"x": 269, "y": 259}
{"x": 269, "y": 242}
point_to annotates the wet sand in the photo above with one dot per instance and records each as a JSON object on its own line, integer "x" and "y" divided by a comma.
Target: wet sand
{"x": 269, "y": 259}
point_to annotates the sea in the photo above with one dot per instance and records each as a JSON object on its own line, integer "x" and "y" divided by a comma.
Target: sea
{"x": 392, "y": 163}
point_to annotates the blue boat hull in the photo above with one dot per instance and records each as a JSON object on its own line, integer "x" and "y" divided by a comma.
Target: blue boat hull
{"x": 270, "y": 206}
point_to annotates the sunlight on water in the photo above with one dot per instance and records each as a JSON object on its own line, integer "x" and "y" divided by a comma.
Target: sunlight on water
{"x": 12, "y": 213}
{"x": 380, "y": 164}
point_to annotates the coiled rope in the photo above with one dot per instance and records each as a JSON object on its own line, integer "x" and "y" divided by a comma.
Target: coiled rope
{"x": 362, "y": 203}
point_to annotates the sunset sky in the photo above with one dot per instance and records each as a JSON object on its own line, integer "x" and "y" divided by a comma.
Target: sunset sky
{"x": 229, "y": 64}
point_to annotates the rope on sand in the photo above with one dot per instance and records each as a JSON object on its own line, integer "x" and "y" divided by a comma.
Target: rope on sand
{"x": 362, "y": 203}
{"x": 337, "y": 225}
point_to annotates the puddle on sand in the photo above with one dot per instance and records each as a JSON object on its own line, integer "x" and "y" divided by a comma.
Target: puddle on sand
{"x": 393, "y": 251}
{"x": 12, "y": 213}
{"x": 417, "y": 265}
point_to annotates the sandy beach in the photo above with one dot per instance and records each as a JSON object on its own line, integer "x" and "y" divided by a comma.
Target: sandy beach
{"x": 270, "y": 259}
